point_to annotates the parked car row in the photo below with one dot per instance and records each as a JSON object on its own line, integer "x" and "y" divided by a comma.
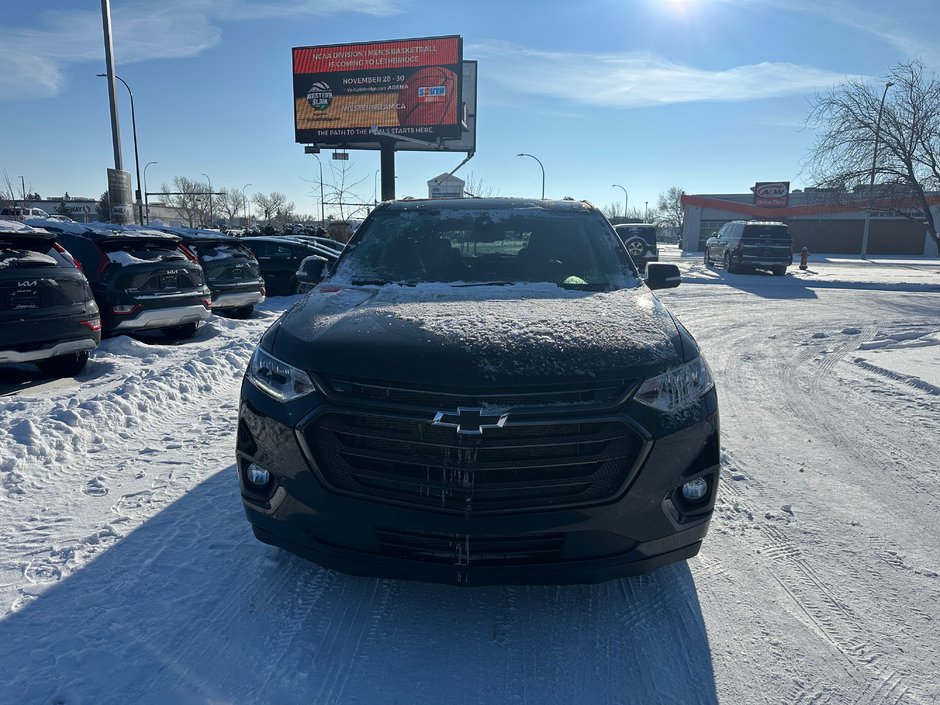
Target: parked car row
{"x": 63, "y": 284}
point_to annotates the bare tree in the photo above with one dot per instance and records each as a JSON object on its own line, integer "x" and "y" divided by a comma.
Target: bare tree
{"x": 7, "y": 192}
{"x": 613, "y": 211}
{"x": 232, "y": 202}
{"x": 476, "y": 188}
{"x": 340, "y": 191}
{"x": 897, "y": 147}
{"x": 267, "y": 204}
{"x": 669, "y": 212}
{"x": 185, "y": 199}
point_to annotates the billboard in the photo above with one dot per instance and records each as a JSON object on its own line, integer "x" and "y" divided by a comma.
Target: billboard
{"x": 772, "y": 194}
{"x": 410, "y": 88}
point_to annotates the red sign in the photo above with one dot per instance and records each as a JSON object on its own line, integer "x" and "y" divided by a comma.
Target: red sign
{"x": 772, "y": 194}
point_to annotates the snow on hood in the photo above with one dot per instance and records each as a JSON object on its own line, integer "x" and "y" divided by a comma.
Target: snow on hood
{"x": 492, "y": 332}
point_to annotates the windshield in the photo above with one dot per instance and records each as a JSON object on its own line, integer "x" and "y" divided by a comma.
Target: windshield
{"x": 498, "y": 246}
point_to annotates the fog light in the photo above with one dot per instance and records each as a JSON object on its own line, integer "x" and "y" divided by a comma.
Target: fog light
{"x": 695, "y": 490}
{"x": 257, "y": 475}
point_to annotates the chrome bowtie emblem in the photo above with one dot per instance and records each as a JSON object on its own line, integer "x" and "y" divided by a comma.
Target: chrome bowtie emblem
{"x": 469, "y": 421}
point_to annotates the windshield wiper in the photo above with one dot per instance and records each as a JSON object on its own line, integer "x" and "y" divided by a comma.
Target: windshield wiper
{"x": 381, "y": 282}
{"x": 492, "y": 283}
{"x": 369, "y": 282}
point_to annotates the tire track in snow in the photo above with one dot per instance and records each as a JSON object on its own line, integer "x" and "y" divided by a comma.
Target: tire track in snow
{"x": 831, "y": 616}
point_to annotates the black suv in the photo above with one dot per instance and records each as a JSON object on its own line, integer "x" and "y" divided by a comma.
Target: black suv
{"x": 751, "y": 244}
{"x": 279, "y": 258}
{"x": 142, "y": 279}
{"x": 640, "y": 241}
{"x": 231, "y": 270}
{"x": 47, "y": 312}
{"x": 482, "y": 391}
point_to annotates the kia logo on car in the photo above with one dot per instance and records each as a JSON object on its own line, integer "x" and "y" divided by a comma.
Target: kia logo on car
{"x": 775, "y": 190}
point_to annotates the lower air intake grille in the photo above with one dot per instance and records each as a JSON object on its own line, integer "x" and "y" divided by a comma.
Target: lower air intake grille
{"x": 471, "y": 550}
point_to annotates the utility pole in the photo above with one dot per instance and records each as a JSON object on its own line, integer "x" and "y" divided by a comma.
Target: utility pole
{"x": 112, "y": 93}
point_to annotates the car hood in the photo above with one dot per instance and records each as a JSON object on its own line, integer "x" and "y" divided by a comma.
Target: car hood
{"x": 478, "y": 336}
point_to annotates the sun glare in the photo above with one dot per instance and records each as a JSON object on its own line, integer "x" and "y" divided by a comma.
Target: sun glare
{"x": 678, "y": 5}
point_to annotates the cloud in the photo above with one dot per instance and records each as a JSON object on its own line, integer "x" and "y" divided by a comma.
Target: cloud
{"x": 908, "y": 26}
{"x": 637, "y": 79}
{"x": 34, "y": 60}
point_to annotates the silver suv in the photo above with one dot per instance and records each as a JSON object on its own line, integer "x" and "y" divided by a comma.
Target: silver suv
{"x": 20, "y": 213}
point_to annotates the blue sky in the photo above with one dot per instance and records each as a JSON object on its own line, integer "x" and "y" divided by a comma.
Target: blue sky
{"x": 709, "y": 95}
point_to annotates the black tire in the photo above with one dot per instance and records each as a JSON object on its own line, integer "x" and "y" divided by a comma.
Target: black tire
{"x": 728, "y": 266}
{"x": 183, "y": 332}
{"x": 64, "y": 365}
{"x": 708, "y": 262}
{"x": 779, "y": 271}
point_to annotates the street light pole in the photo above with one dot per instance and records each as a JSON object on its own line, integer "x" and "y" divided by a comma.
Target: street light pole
{"x": 521, "y": 154}
{"x": 140, "y": 207}
{"x": 23, "y": 186}
{"x": 146, "y": 200}
{"x": 626, "y": 199}
{"x": 247, "y": 206}
{"x": 210, "y": 199}
{"x": 871, "y": 181}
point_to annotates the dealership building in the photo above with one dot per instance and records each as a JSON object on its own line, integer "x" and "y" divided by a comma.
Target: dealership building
{"x": 823, "y": 221}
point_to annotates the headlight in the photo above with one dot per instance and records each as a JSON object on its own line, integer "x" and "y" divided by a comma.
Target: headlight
{"x": 278, "y": 379}
{"x": 677, "y": 389}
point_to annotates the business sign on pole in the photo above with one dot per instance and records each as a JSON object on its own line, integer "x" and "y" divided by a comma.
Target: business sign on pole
{"x": 408, "y": 87}
{"x": 119, "y": 195}
{"x": 772, "y": 194}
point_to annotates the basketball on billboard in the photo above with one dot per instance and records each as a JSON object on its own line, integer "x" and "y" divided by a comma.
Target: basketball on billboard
{"x": 429, "y": 98}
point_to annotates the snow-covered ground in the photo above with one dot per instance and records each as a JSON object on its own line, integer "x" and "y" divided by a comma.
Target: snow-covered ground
{"x": 128, "y": 573}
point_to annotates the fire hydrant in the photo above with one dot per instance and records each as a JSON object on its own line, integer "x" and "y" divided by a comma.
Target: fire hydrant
{"x": 804, "y": 257}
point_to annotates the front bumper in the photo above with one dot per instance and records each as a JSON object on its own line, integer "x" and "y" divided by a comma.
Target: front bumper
{"x": 639, "y": 528}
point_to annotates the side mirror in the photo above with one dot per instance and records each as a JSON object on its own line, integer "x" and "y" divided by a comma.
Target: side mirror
{"x": 311, "y": 270}
{"x": 662, "y": 276}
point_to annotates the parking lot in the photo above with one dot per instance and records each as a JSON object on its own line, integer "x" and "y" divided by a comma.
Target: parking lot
{"x": 819, "y": 582}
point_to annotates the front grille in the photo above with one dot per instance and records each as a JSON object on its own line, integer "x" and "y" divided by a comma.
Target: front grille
{"x": 455, "y": 549}
{"x": 513, "y": 467}
{"x": 586, "y": 393}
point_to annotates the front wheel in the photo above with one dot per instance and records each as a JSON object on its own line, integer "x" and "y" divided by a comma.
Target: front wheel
{"x": 64, "y": 365}
{"x": 708, "y": 261}
{"x": 183, "y": 332}
{"x": 728, "y": 266}
{"x": 779, "y": 271}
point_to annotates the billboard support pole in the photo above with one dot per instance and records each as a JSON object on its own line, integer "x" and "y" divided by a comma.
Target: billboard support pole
{"x": 387, "y": 164}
